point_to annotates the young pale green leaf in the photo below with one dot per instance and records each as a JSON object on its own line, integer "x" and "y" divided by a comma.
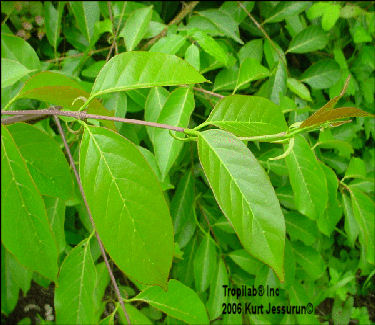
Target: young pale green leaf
{"x": 57, "y": 89}
{"x": 356, "y": 168}
{"x": 192, "y": 56}
{"x": 223, "y": 22}
{"x": 154, "y": 104}
{"x": 252, "y": 49}
{"x": 285, "y": 9}
{"x": 182, "y": 206}
{"x": 330, "y": 16}
{"x": 11, "y": 72}
{"x": 301, "y": 228}
{"x": 351, "y": 226}
{"x": 56, "y": 214}
{"x": 136, "y": 316}
{"x": 307, "y": 179}
{"x": 240, "y": 186}
{"x": 310, "y": 39}
{"x": 75, "y": 290}
{"x": 113, "y": 170}
{"x": 322, "y": 74}
{"x": 169, "y": 44}
{"x": 87, "y": 13}
{"x": 144, "y": 70}
{"x": 248, "y": 116}
{"x": 205, "y": 264}
{"x": 309, "y": 259}
{"x": 250, "y": 70}
{"x": 363, "y": 209}
{"x": 217, "y": 297}
{"x": 245, "y": 261}
{"x": 176, "y": 111}
{"x": 53, "y": 21}
{"x": 136, "y": 26}
{"x": 179, "y": 301}
{"x": 25, "y": 230}
{"x": 51, "y": 176}
{"x": 14, "y": 277}
{"x": 210, "y": 46}
{"x": 299, "y": 88}
{"x": 16, "y": 48}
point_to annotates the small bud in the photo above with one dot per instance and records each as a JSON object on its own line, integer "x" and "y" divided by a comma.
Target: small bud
{"x": 40, "y": 34}
{"x": 39, "y": 20}
{"x": 21, "y": 33}
{"x": 27, "y": 26}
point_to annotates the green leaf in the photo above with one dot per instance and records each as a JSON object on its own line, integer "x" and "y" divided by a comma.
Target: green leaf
{"x": 16, "y": 48}
{"x": 154, "y": 104}
{"x": 51, "y": 176}
{"x": 56, "y": 214}
{"x": 251, "y": 70}
{"x": 285, "y": 9}
{"x": 351, "y": 226}
{"x": 252, "y": 49}
{"x": 25, "y": 230}
{"x": 57, "y": 89}
{"x": 309, "y": 259}
{"x": 14, "y": 277}
{"x": 310, "y": 39}
{"x": 226, "y": 79}
{"x": 176, "y": 111}
{"x": 240, "y": 185}
{"x": 322, "y": 74}
{"x": 247, "y": 116}
{"x": 182, "y": 206}
{"x": 299, "y": 89}
{"x": 113, "y": 170}
{"x": 278, "y": 83}
{"x": 118, "y": 103}
{"x": 75, "y": 290}
{"x": 301, "y": 228}
{"x": 210, "y": 46}
{"x": 136, "y": 316}
{"x": 11, "y": 72}
{"x": 217, "y": 297}
{"x": 192, "y": 56}
{"x": 205, "y": 264}
{"x": 356, "y": 168}
{"x": 273, "y": 56}
{"x": 363, "y": 209}
{"x": 170, "y": 44}
{"x": 135, "y": 27}
{"x": 87, "y": 13}
{"x": 53, "y": 22}
{"x": 330, "y": 16}
{"x": 223, "y": 22}
{"x": 307, "y": 179}
{"x": 142, "y": 70}
{"x": 179, "y": 301}
{"x": 245, "y": 261}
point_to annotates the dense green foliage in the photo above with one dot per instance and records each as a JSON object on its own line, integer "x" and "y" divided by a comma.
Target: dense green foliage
{"x": 252, "y": 178}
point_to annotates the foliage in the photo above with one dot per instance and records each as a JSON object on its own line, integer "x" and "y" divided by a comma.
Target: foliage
{"x": 252, "y": 179}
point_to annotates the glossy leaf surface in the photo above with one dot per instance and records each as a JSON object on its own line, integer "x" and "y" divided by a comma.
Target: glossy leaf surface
{"x": 179, "y": 301}
{"x": 53, "y": 21}
{"x": 18, "y": 72}
{"x": 322, "y": 74}
{"x": 248, "y": 116}
{"x": 251, "y": 70}
{"x": 310, "y": 39}
{"x": 240, "y": 186}
{"x": 143, "y": 70}
{"x": 25, "y": 230}
{"x": 113, "y": 170}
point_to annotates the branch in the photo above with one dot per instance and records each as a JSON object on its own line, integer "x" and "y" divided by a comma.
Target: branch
{"x": 264, "y": 33}
{"x": 77, "y": 55}
{"x": 61, "y": 131}
{"x": 116, "y": 33}
{"x": 181, "y": 15}
{"x": 208, "y": 92}
{"x": 82, "y": 115}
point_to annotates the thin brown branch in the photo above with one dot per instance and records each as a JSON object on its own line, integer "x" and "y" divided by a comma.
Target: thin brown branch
{"x": 77, "y": 55}
{"x": 264, "y": 33}
{"x": 113, "y": 26}
{"x": 208, "y": 92}
{"x": 181, "y": 15}
{"x": 82, "y": 115}
{"x": 102, "y": 250}
{"x": 115, "y": 34}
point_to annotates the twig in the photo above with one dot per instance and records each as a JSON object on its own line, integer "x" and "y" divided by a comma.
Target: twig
{"x": 116, "y": 33}
{"x": 208, "y": 92}
{"x": 77, "y": 55}
{"x": 82, "y": 115}
{"x": 61, "y": 131}
{"x": 181, "y": 15}
{"x": 264, "y": 33}
{"x": 113, "y": 28}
